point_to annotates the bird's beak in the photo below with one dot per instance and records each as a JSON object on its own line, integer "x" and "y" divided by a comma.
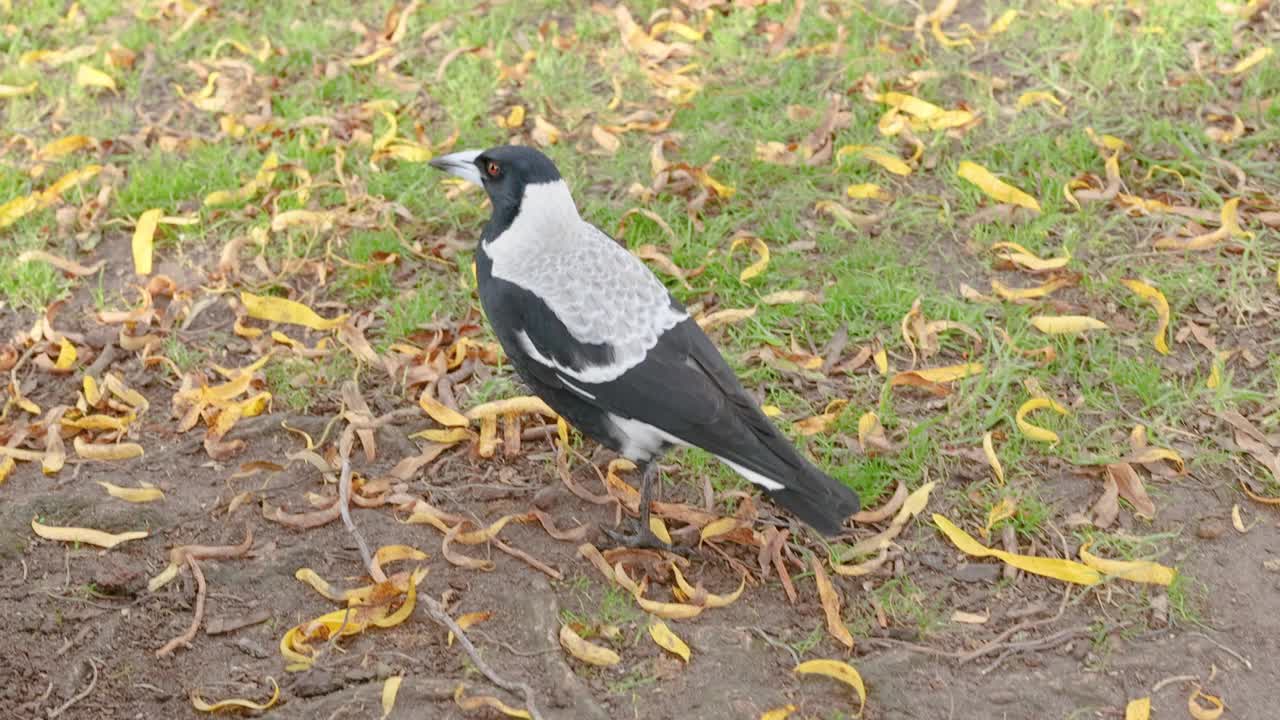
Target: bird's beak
{"x": 462, "y": 164}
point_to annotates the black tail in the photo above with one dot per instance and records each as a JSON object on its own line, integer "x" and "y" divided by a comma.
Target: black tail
{"x": 818, "y": 499}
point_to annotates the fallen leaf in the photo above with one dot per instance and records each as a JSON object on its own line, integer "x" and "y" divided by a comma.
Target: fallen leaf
{"x": 1035, "y": 97}
{"x": 544, "y": 133}
{"x": 1139, "y": 709}
{"x": 1200, "y": 712}
{"x": 605, "y": 139}
{"x": 871, "y": 437}
{"x": 1229, "y": 228}
{"x": 102, "y": 451}
{"x": 1066, "y": 324}
{"x": 994, "y": 187}
{"x": 988, "y": 449}
{"x": 837, "y": 670}
{"x": 233, "y": 703}
{"x": 867, "y": 191}
{"x": 476, "y": 702}
{"x": 1157, "y": 300}
{"x": 1236, "y": 520}
{"x": 282, "y": 310}
{"x": 12, "y": 91}
{"x": 440, "y": 412}
{"x": 1035, "y": 432}
{"x": 143, "y": 235}
{"x": 820, "y": 422}
{"x": 881, "y": 157}
{"x": 698, "y": 596}
{"x": 390, "y": 688}
{"x": 261, "y": 180}
{"x": 789, "y": 297}
{"x": 667, "y": 640}
{"x": 89, "y": 76}
{"x": 1253, "y": 58}
{"x": 1031, "y": 293}
{"x": 589, "y": 653}
{"x": 66, "y": 355}
{"x": 1129, "y": 486}
{"x": 1024, "y": 258}
{"x": 1002, "y": 510}
{"x": 85, "y": 535}
{"x": 724, "y": 317}
{"x": 760, "y": 249}
{"x": 933, "y": 379}
{"x": 1065, "y": 570}
{"x": 781, "y": 713}
{"x": 830, "y": 603}
{"x": 968, "y": 618}
{"x": 1136, "y": 570}
{"x": 133, "y": 495}
{"x": 931, "y": 116}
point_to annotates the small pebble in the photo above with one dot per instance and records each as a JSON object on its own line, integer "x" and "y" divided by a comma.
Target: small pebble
{"x": 1210, "y": 529}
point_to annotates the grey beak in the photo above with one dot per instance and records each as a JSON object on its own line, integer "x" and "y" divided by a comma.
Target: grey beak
{"x": 461, "y": 164}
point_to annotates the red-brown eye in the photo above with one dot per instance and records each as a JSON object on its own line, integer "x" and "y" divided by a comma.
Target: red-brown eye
{"x": 493, "y": 169}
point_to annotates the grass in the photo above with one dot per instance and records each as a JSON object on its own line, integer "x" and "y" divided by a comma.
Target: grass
{"x": 395, "y": 252}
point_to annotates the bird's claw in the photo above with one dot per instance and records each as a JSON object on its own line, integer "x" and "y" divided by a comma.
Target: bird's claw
{"x": 641, "y": 538}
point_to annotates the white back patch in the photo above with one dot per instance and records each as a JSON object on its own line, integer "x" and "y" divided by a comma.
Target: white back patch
{"x": 601, "y": 292}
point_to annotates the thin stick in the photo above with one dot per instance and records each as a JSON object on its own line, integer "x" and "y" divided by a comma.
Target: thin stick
{"x": 93, "y": 682}
{"x": 433, "y": 606}
{"x": 533, "y": 562}
{"x": 184, "y": 640}
{"x": 438, "y": 614}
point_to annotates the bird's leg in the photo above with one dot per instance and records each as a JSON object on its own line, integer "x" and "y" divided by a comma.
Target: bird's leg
{"x": 642, "y": 536}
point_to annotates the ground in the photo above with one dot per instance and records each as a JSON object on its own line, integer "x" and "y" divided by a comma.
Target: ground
{"x": 801, "y": 174}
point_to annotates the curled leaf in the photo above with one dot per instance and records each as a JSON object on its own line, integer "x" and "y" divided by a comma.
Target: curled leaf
{"x": 1142, "y": 571}
{"x": 203, "y": 706}
{"x": 830, "y": 603}
{"x": 440, "y": 412}
{"x": 994, "y": 187}
{"x": 1199, "y": 711}
{"x": 667, "y": 640}
{"x": 760, "y": 249}
{"x": 837, "y": 670}
{"x": 390, "y": 688}
{"x": 1036, "y": 432}
{"x": 988, "y": 449}
{"x": 1058, "y": 569}
{"x": 1158, "y": 301}
{"x": 589, "y": 653}
{"x": 143, "y": 236}
{"x": 278, "y": 309}
{"x": 476, "y": 702}
{"x": 133, "y": 495}
{"x": 84, "y": 535}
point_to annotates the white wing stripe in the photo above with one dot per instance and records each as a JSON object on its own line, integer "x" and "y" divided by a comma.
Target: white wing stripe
{"x": 753, "y": 476}
{"x": 591, "y": 374}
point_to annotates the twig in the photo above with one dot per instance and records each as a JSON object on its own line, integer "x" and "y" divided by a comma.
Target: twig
{"x": 1042, "y": 644}
{"x": 533, "y": 562}
{"x": 184, "y": 640}
{"x": 1225, "y": 649}
{"x": 997, "y": 642}
{"x": 1171, "y": 680}
{"x": 765, "y": 636}
{"x": 433, "y": 606}
{"x": 93, "y": 682}
{"x": 509, "y": 647}
{"x": 438, "y": 614}
{"x": 344, "y": 500}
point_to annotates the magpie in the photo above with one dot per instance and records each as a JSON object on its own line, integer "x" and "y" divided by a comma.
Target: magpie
{"x": 594, "y": 333}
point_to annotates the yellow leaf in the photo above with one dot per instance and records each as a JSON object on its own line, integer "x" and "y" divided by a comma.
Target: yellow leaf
{"x": 1035, "y": 432}
{"x": 1023, "y": 257}
{"x": 64, "y": 146}
{"x": 788, "y": 297}
{"x": 1066, "y": 324}
{"x": 837, "y": 670}
{"x": 668, "y": 640}
{"x": 1030, "y": 293}
{"x": 14, "y": 210}
{"x": 515, "y": 117}
{"x": 66, "y": 355}
{"x": 449, "y": 436}
{"x": 1136, "y": 570}
{"x": 707, "y": 599}
{"x": 1200, "y": 712}
{"x": 88, "y": 76}
{"x": 278, "y": 309}
{"x": 867, "y": 191}
{"x": 1002, "y": 23}
{"x": 761, "y": 250}
{"x": 884, "y": 159}
{"x": 265, "y": 176}
{"x": 544, "y": 133}
{"x": 725, "y": 317}
{"x": 12, "y": 91}
{"x": 830, "y": 603}
{"x": 994, "y": 187}
{"x": 1002, "y": 510}
{"x": 99, "y": 451}
{"x": 143, "y": 235}
{"x": 476, "y": 702}
{"x": 933, "y": 116}
{"x": 716, "y": 528}
{"x": 53, "y": 193}
{"x": 320, "y": 220}
{"x": 1139, "y": 709}
{"x": 1064, "y": 570}
{"x": 881, "y": 359}
{"x": 988, "y": 449}
{"x": 781, "y": 713}
{"x": 133, "y": 495}
{"x": 85, "y": 535}
{"x": 949, "y": 373}
{"x": 1157, "y": 299}
{"x": 659, "y": 529}
{"x": 1230, "y": 227}
{"x": 524, "y": 405}
{"x": 7, "y": 464}
{"x": 390, "y": 689}
{"x": 589, "y": 653}
{"x": 203, "y": 706}
{"x": 1251, "y": 59}
{"x": 1027, "y": 99}
{"x": 820, "y": 423}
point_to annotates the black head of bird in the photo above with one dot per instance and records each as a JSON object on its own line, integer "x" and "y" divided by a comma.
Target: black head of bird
{"x": 504, "y": 172}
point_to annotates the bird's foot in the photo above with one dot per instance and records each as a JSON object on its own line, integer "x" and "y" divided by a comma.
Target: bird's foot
{"x": 641, "y": 538}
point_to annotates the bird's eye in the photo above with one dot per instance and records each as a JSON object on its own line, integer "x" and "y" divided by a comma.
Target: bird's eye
{"x": 493, "y": 169}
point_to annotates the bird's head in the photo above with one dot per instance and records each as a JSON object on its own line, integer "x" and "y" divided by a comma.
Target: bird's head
{"x": 507, "y": 173}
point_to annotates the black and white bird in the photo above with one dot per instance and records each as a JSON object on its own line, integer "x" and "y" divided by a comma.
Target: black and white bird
{"x": 596, "y": 335}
